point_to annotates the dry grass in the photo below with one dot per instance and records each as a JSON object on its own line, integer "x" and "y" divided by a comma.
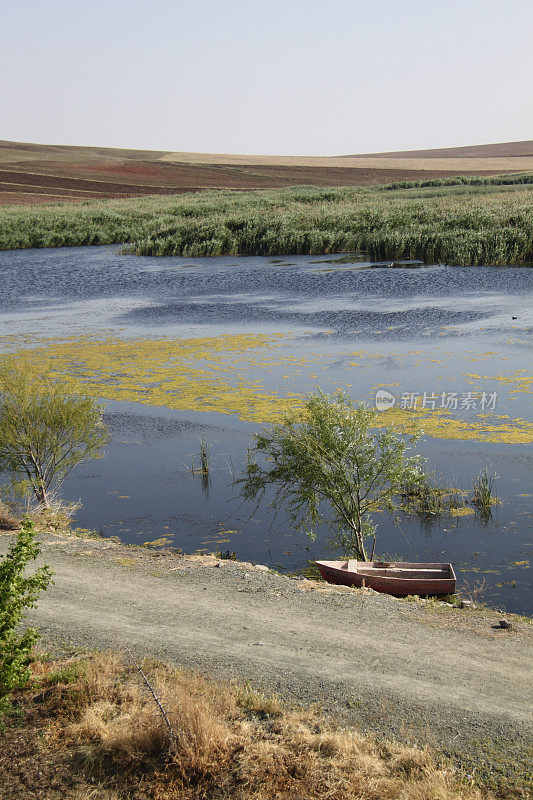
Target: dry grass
{"x": 92, "y": 730}
{"x": 57, "y": 517}
{"x": 8, "y": 521}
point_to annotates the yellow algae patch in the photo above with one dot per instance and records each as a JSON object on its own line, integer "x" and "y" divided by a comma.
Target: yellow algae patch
{"x": 464, "y": 511}
{"x": 484, "y": 356}
{"x": 221, "y": 374}
{"x": 200, "y": 374}
{"x": 362, "y": 354}
{"x": 519, "y": 378}
{"x": 158, "y": 542}
{"x": 441, "y": 425}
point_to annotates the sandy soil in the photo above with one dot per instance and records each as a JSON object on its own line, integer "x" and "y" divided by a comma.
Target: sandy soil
{"x": 421, "y": 670}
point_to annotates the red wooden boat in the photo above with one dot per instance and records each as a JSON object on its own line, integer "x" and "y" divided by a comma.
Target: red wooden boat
{"x": 398, "y": 578}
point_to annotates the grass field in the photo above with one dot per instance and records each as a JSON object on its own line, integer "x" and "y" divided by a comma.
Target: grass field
{"x": 460, "y": 222}
{"x": 34, "y": 173}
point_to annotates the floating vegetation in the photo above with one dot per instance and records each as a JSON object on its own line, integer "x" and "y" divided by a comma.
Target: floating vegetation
{"x": 462, "y": 511}
{"x": 161, "y": 542}
{"x": 519, "y": 379}
{"x": 223, "y": 374}
{"x": 430, "y": 498}
{"x": 203, "y": 374}
{"x": 442, "y": 425}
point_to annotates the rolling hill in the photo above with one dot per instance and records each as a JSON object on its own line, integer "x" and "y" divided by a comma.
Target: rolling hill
{"x": 39, "y": 173}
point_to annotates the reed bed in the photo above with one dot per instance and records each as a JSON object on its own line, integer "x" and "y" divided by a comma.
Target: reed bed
{"x": 460, "y": 226}
{"x": 483, "y": 491}
{"x": 519, "y": 178}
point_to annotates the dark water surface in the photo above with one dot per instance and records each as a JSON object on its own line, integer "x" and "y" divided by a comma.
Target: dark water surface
{"x": 415, "y": 329}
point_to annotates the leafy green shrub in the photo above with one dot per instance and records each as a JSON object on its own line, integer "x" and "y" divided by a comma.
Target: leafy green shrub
{"x": 45, "y": 430}
{"x": 331, "y": 465}
{"x": 18, "y": 592}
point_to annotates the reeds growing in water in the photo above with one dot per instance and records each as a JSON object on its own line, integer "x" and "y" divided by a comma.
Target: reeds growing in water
{"x": 483, "y": 495}
{"x": 460, "y": 224}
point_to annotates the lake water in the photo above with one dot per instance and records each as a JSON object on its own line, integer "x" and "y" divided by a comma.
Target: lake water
{"x": 184, "y": 349}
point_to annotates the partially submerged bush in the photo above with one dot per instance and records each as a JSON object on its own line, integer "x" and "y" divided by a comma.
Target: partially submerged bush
{"x": 430, "y": 497}
{"x": 329, "y": 464}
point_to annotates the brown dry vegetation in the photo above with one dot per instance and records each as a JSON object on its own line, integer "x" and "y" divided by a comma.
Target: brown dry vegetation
{"x": 89, "y": 728}
{"x": 56, "y": 517}
{"x": 33, "y": 173}
{"x": 8, "y": 522}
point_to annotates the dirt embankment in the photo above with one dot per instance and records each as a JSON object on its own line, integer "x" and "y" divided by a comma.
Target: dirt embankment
{"x": 422, "y": 670}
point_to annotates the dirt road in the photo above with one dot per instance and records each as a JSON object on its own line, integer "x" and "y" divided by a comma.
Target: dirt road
{"x": 427, "y": 671}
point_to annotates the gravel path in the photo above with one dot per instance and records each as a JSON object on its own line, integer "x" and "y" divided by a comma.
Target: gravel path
{"x": 422, "y": 670}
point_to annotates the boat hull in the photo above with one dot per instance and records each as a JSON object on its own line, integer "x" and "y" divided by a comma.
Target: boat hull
{"x": 398, "y": 579}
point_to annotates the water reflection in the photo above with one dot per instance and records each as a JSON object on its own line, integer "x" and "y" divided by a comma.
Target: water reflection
{"x": 344, "y": 325}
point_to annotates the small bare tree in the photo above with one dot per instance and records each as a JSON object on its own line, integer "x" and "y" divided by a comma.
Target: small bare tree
{"x": 331, "y": 464}
{"x": 45, "y": 429}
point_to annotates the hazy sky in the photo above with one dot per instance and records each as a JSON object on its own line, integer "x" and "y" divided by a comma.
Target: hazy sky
{"x": 294, "y": 77}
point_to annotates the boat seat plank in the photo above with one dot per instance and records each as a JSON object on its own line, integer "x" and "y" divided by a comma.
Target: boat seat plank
{"x": 407, "y": 571}
{"x": 404, "y": 573}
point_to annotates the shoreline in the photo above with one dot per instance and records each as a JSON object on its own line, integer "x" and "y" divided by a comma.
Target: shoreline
{"x": 168, "y": 554}
{"x": 425, "y": 670}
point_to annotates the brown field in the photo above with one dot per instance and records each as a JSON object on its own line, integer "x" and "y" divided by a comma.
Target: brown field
{"x": 34, "y": 173}
{"x": 502, "y": 150}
